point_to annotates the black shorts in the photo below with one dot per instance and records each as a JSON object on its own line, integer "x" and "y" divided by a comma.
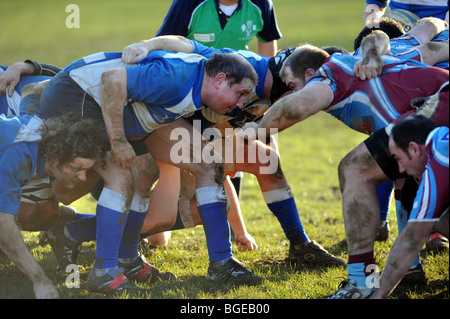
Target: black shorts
{"x": 378, "y": 146}
{"x": 63, "y": 95}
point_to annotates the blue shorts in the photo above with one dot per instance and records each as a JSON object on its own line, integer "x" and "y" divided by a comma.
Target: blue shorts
{"x": 63, "y": 95}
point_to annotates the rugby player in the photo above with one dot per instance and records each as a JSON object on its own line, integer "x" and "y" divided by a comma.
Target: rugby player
{"x": 63, "y": 149}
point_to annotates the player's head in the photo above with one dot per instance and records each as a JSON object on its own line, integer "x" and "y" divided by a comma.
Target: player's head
{"x": 391, "y": 27}
{"x": 406, "y": 143}
{"x": 233, "y": 65}
{"x": 302, "y": 65}
{"x": 231, "y": 79}
{"x": 67, "y": 139}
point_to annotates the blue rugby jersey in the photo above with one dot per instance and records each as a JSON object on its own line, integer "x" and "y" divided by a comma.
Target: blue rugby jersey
{"x": 368, "y": 106}
{"x": 421, "y": 8}
{"x": 19, "y": 159}
{"x": 11, "y": 105}
{"x": 431, "y": 200}
{"x": 161, "y": 88}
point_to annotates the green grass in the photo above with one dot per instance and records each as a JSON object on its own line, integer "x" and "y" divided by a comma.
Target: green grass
{"x": 310, "y": 154}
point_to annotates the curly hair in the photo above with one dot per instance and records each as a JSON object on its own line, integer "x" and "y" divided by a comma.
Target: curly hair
{"x": 69, "y": 136}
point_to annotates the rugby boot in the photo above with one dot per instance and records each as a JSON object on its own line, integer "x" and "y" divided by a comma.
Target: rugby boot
{"x": 312, "y": 253}
{"x": 114, "y": 284}
{"x": 233, "y": 271}
{"x": 348, "y": 290}
{"x": 139, "y": 270}
{"x": 65, "y": 249}
{"x": 415, "y": 276}
{"x": 437, "y": 243}
{"x": 383, "y": 231}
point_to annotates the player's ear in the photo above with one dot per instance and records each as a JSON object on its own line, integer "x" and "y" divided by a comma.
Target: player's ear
{"x": 219, "y": 79}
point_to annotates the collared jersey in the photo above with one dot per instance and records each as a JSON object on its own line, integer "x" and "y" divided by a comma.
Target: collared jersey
{"x": 431, "y": 200}
{"x": 161, "y": 88}
{"x": 11, "y": 105}
{"x": 368, "y": 106}
{"x": 200, "y": 20}
{"x": 19, "y": 159}
{"x": 421, "y": 8}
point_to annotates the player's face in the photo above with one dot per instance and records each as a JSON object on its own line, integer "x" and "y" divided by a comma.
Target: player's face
{"x": 410, "y": 163}
{"x": 292, "y": 82}
{"x": 71, "y": 173}
{"x": 229, "y": 98}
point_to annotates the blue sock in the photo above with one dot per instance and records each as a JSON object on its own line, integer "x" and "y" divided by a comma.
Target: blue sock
{"x": 281, "y": 203}
{"x": 384, "y": 192}
{"x": 131, "y": 234}
{"x": 212, "y": 206}
{"x": 82, "y": 229}
{"x": 402, "y": 220}
{"x": 110, "y": 226}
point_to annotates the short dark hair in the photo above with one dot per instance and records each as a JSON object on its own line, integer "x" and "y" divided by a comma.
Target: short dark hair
{"x": 235, "y": 66}
{"x": 68, "y": 136}
{"x": 414, "y": 128}
{"x": 332, "y": 49}
{"x": 391, "y": 27}
{"x": 303, "y": 58}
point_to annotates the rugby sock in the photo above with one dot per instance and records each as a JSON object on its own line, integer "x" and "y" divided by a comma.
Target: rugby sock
{"x": 212, "y": 206}
{"x": 131, "y": 235}
{"x": 281, "y": 203}
{"x": 360, "y": 267}
{"x": 384, "y": 192}
{"x": 402, "y": 220}
{"x": 111, "y": 220}
{"x": 82, "y": 229}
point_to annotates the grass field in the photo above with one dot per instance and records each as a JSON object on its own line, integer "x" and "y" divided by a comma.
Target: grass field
{"x": 310, "y": 153}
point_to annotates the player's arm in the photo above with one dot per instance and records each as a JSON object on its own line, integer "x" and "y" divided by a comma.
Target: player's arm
{"x": 427, "y": 28}
{"x": 267, "y": 49}
{"x": 113, "y": 96}
{"x": 137, "y": 51}
{"x": 372, "y": 47}
{"x": 434, "y": 52}
{"x": 402, "y": 255}
{"x": 297, "y": 107}
{"x": 11, "y": 76}
{"x": 12, "y": 244}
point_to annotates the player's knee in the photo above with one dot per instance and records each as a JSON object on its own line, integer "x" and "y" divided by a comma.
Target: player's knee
{"x": 148, "y": 176}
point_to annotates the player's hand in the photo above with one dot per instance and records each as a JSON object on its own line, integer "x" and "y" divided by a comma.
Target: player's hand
{"x": 134, "y": 53}
{"x": 368, "y": 68}
{"x": 246, "y": 242}
{"x": 124, "y": 154}
{"x": 10, "y": 78}
{"x": 249, "y": 131}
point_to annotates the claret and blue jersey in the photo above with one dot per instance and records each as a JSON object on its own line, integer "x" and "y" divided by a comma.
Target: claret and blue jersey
{"x": 432, "y": 196}
{"x": 368, "y": 106}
